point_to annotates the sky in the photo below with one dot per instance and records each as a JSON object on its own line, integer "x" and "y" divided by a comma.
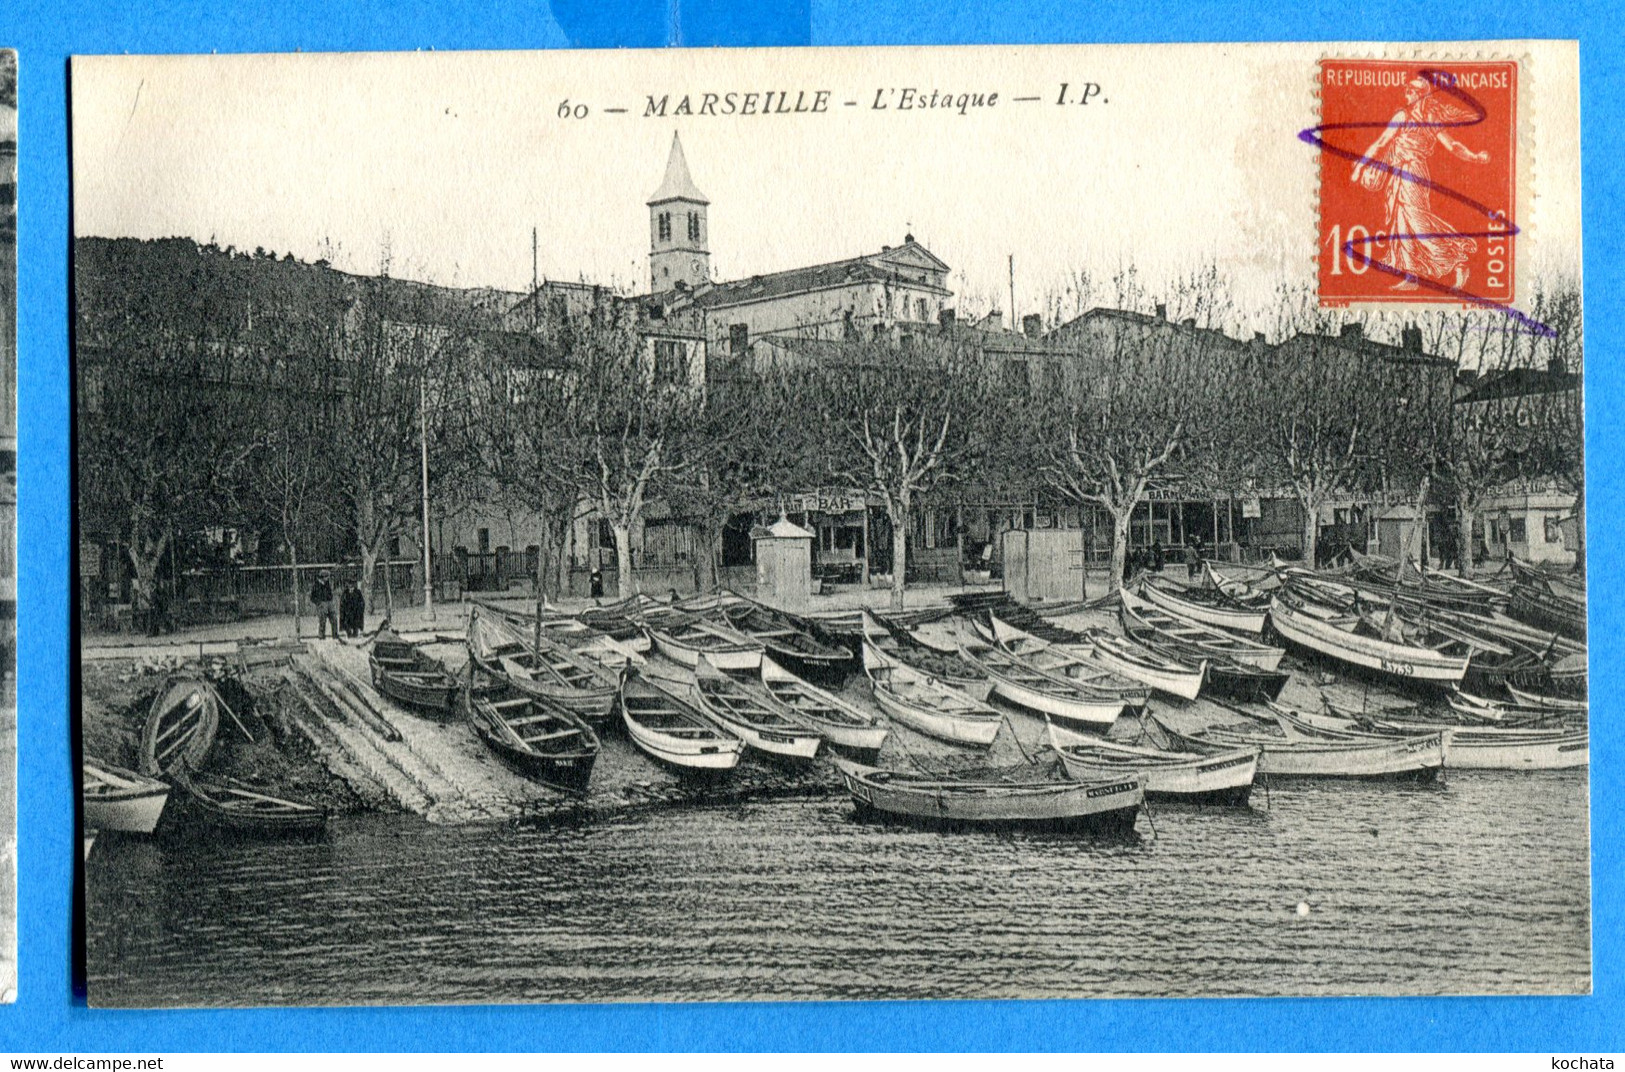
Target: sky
{"x": 440, "y": 164}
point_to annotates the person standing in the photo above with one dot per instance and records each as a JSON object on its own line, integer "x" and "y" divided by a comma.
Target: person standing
{"x": 352, "y": 610}
{"x": 321, "y": 597}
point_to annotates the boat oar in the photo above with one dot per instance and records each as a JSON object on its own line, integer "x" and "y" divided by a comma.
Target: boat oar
{"x": 234, "y": 719}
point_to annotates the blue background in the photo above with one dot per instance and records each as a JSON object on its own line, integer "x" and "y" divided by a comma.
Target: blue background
{"x": 48, "y": 1017}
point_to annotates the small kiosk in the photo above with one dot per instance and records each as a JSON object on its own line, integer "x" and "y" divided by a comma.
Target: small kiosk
{"x": 783, "y": 563}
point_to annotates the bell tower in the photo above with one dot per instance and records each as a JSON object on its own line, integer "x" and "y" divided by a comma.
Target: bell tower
{"x": 679, "y": 232}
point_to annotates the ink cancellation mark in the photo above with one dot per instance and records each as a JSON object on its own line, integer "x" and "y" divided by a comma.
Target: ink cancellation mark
{"x": 1417, "y": 181}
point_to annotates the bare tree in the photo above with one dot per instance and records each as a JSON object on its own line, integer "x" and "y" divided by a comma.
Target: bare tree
{"x": 901, "y": 422}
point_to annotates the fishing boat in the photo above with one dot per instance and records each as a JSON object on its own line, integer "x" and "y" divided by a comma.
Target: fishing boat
{"x": 1173, "y": 676}
{"x": 122, "y": 800}
{"x": 1210, "y": 606}
{"x": 181, "y": 726}
{"x": 923, "y": 799}
{"x": 542, "y": 741}
{"x": 410, "y": 676}
{"x": 1349, "y": 639}
{"x": 1239, "y": 581}
{"x": 1547, "y": 702}
{"x": 1143, "y": 618}
{"x": 670, "y": 730}
{"x": 621, "y": 620}
{"x": 752, "y": 715}
{"x": 948, "y": 667}
{"x": 857, "y": 733}
{"x": 1180, "y": 777}
{"x": 553, "y": 672}
{"x": 1074, "y": 661}
{"x": 797, "y": 644}
{"x": 1025, "y": 685}
{"x": 685, "y": 638}
{"x": 1470, "y": 748}
{"x": 243, "y": 810}
{"x": 923, "y": 703}
{"x": 1419, "y": 757}
{"x": 1545, "y": 601}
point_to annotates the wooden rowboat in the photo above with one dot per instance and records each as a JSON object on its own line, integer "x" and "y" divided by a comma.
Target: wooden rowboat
{"x": 923, "y": 703}
{"x": 1415, "y": 758}
{"x": 669, "y": 729}
{"x": 1201, "y": 641}
{"x": 1210, "y": 606}
{"x": 1170, "y": 675}
{"x": 928, "y": 800}
{"x": 1025, "y": 685}
{"x": 181, "y": 726}
{"x": 410, "y": 676}
{"x": 122, "y": 800}
{"x": 796, "y": 643}
{"x": 553, "y": 673}
{"x": 948, "y": 667}
{"x": 684, "y": 638}
{"x": 240, "y": 809}
{"x": 1550, "y": 703}
{"x": 1333, "y": 633}
{"x": 1074, "y": 661}
{"x": 1181, "y": 777}
{"x": 1471, "y": 748}
{"x": 751, "y": 715}
{"x": 843, "y": 726}
{"x": 539, "y": 740}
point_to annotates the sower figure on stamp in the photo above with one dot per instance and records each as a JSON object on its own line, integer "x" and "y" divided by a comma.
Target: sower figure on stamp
{"x": 321, "y": 597}
{"x": 1421, "y": 243}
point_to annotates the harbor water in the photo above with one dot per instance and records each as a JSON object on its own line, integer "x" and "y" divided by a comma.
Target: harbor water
{"x": 1476, "y": 885}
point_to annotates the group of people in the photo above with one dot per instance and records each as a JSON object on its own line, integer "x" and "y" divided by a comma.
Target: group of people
{"x": 1152, "y": 559}
{"x": 349, "y": 618}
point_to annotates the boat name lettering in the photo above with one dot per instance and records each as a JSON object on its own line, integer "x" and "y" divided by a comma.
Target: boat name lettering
{"x": 1239, "y": 761}
{"x": 776, "y": 738}
{"x": 1407, "y": 669}
{"x": 1110, "y": 790}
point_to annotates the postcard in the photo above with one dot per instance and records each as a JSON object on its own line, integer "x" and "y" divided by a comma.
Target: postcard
{"x": 830, "y": 524}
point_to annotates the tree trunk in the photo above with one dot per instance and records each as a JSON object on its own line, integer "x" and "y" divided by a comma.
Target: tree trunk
{"x": 1311, "y": 528}
{"x": 145, "y": 555}
{"x": 899, "y": 556}
{"x": 566, "y": 549}
{"x": 626, "y": 583}
{"x": 389, "y": 591}
{"x": 1120, "y": 530}
{"x": 1466, "y": 512}
{"x": 708, "y": 555}
{"x": 1580, "y": 527}
{"x": 293, "y": 563}
{"x": 369, "y": 564}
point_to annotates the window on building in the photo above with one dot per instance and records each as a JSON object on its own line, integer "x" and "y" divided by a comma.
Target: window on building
{"x": 485, "y": 541}
{"x": 1517, "y": 530}
{"x": 394, "y": 547}
{"x": 738, "y": 338}
{"x": 925, "y": 313}
{"x": 1016, "y": 376}
{"x": 1554, "y": 529}
{"x": 665, "y": 226}
{"x": 693, "y": 226}
{"x": 671, "y": 365}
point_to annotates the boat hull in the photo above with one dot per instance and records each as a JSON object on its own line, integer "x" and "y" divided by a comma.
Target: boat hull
{"x": 699, "y": 749}
{"x": 723, "y": 658}
{"x": 566, "y": 771}
{"x": 977, "y": 732}
{"x": 134, "y": 809}
{"x": 1219, "y": 779}
{"x": 1098, "y": 715}
{"x": 1239, "y": 621}
{"x": 1395, "y": 662}
{"x": 1184, "y": 686}
{"x": 1109, "y": 808}
{"x": 1418, "y": 758}
{"x": 412, "y": 690}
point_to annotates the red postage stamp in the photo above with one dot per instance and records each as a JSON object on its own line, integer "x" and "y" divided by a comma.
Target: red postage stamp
{"x": 1418, "y": 179}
